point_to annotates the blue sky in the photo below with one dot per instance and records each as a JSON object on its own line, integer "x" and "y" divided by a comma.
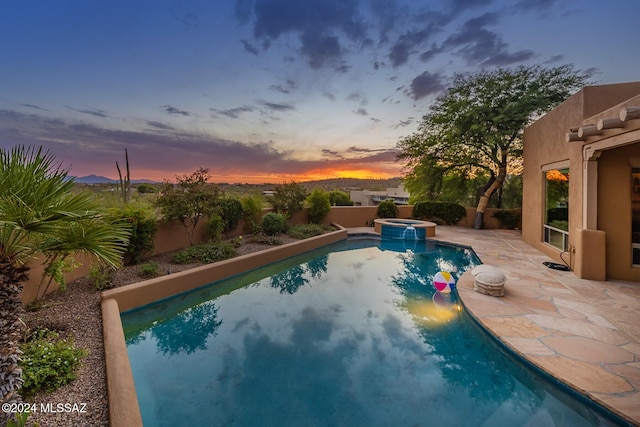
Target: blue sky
{"x": 271, "y": 90}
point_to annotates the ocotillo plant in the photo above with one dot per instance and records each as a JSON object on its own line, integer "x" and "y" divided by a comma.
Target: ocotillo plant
{"x": 125, "y": 184}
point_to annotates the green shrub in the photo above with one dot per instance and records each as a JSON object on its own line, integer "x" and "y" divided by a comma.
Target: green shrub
{"x": 146, "y": 188}
{"x": 101, "y": 276}
{"x": 252, "y": 211}
{"x": 208, "y": 252}
{"x": 20, "y": 421}
{"x": 215, "y": 227}
{"x": 149, "y": 270}
{"x": 231, "y": 212}
{"x": 340, "y": 198}
{"x": 319, "y": 205}
{"x": 273, "y": 223}
{"x": 288, "y": 198}
{"x": 449, "y": 213}
{"x": 508, "y": 219}
{"x": 144, "y": 226}
{"x": 387, "y": 209}
{"x": 557, "y": 214}
{"x": 304, "y": 231}
{"x": 48, "y": 362}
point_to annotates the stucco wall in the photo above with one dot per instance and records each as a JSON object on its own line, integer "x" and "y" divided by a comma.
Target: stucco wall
{"x": 544, "y": 146}
{"x": 614, "y": 209}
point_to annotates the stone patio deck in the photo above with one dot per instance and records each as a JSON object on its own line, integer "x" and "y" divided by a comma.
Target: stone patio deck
{"x": 584, "y": 333}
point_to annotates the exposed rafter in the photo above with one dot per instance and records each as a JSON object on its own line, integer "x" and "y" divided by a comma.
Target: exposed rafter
{"x": 572, "y": 136}
{"x": 610, "y": 123}
{"x": 588, "y": 130}
{"x": 583, "y": 132}
{"x": 630, "y": 113}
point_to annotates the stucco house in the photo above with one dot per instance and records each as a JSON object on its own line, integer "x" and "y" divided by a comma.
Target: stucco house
{"x": 581, "y": 183}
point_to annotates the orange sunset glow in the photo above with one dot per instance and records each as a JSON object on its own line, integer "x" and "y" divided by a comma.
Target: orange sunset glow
{"x": 246, "y": 177}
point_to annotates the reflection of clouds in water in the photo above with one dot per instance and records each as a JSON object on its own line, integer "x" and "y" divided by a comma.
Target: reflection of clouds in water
{"x": 338, "y": 352}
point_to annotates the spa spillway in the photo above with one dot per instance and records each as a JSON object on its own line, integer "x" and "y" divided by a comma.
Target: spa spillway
{"x": 407, "y": 229}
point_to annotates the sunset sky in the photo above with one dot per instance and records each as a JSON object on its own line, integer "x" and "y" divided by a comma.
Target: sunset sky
{"x": 271, "y": 90}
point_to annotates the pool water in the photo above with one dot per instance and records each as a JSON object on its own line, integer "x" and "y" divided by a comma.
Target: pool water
{"x": 352, "y": 334}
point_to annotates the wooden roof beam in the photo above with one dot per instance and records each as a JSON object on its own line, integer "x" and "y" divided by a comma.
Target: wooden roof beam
{"x": 588, "y": 130}
{"x": 630, "y": 113}
{"x": 572, "y": 136}
{"x": 610, "y": 123}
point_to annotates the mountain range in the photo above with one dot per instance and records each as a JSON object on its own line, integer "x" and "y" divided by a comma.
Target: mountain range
{"x": 97, "y": 179}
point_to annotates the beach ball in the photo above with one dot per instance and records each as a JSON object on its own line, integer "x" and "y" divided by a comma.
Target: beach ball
{"x": 444, "y": 282}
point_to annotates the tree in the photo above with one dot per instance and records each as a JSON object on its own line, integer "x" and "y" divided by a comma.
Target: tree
{"x": 189, "y": 200}
{"x": 288, "y": 198}
{"x": 319, "y": 205}
{"x": 41, "y": 215}
{"x": 476, "y": 126}
{"x": 339, "y": 198}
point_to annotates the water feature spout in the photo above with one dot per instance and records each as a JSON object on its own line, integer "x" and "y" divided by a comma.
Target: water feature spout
{"x": 409, "y": 233}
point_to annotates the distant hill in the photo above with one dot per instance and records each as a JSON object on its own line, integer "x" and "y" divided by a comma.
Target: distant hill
{"x": 342, "y": 184}
{"x": 97, "y": 179}
{"x": 348, "y": 184}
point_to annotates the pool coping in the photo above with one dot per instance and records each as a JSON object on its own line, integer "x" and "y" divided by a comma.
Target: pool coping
{"x": 124, "y": 410}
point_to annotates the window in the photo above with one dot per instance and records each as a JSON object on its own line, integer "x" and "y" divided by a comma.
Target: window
{"x": 635, "y": 217}
{"x": 556, "y": 221}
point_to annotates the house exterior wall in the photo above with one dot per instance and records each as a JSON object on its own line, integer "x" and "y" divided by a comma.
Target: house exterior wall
{"x": 599, "y": 169}
{"x": 614, "y": 209}
{"x": 545, "y": 148}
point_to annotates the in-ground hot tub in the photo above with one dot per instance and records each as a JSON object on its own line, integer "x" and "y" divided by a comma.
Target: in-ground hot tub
{"x": 409, "y": 229}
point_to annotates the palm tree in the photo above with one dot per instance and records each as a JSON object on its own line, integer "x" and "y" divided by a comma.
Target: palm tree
{"x": 41, "y": 215}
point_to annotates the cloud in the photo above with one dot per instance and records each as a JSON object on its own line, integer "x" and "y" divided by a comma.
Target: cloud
{"x": 234, "y": 113}
{"x": 554, "y": 59}
{"x": 288, "y": 86}
{"x": 34, "y": 106}
{"x": 91, "y": 111}
{"x": 426, "y": 84}
{"x": 482, "y": 47}
{"x": 332, "y": 153}
{"x": 173, "y": 110}
{"x": 159, "y": 125}
{"x": 86, "y": 145}
{"x": 403, "y": 123}
{"x": 320, "y": 49}
{"x": 361, "y": 112}
{"x": 277, "y": 107}
{"x": 317, "y": 26}
{"x": 408, "y": 43}
{"x": 250, "y": 48}
{"x": 354, "y": 149}
{"x": 86, "y": 148}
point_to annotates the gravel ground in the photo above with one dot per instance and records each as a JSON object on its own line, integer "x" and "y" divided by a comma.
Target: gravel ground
{"x": 76, "y": 313}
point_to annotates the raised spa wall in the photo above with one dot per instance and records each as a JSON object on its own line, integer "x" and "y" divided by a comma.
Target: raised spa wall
{"x": 393, "y": 228}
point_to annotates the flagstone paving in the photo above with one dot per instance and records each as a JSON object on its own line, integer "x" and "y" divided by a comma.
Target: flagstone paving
{"x": 584, "y": 333}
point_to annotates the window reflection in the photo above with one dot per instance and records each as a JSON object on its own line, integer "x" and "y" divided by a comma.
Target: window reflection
{"x": 556, "y": 223}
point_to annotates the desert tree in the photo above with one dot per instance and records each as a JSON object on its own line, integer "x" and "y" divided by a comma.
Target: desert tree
{"x": 189, "y": 200}
{"x": 476, "y": 126}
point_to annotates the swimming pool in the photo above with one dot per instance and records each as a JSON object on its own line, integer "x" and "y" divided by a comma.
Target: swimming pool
{"x": 350, "y": 334}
